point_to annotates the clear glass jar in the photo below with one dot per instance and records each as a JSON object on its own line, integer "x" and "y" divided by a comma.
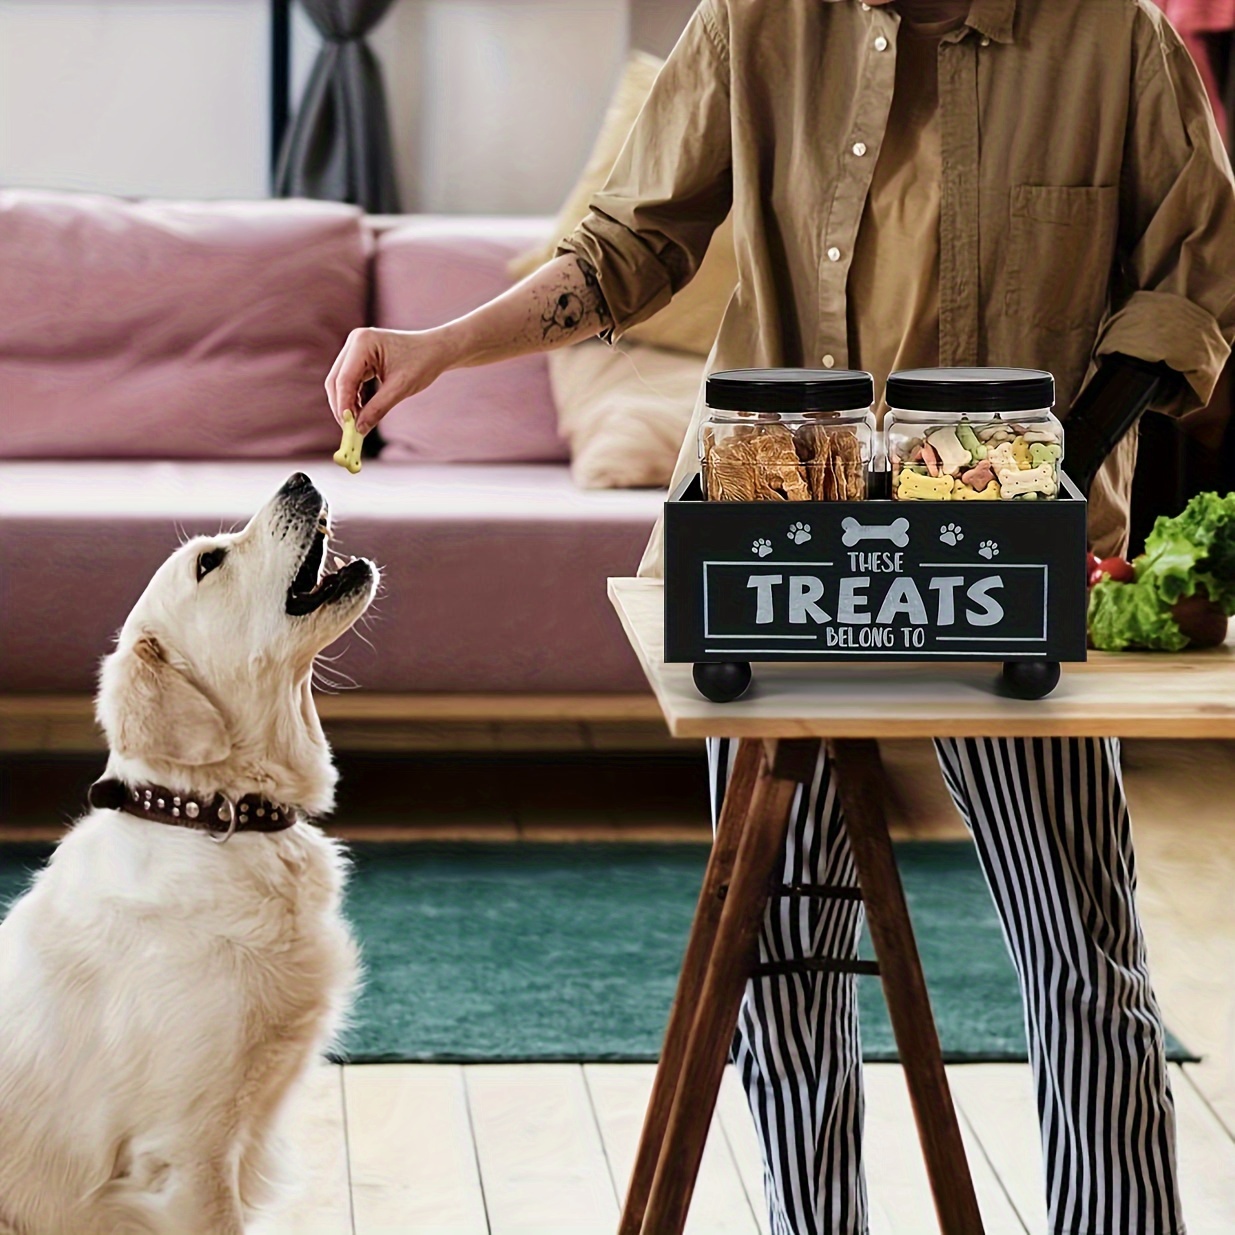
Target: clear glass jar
{"x": 973, "y": 434}
{"x": 797, "y": 435}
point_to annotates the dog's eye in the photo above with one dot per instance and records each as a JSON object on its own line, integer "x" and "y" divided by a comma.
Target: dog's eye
{"x": 208, "y": 561}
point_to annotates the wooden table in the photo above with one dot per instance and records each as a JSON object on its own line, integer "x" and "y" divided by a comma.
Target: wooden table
{"x": 790, "y": 710}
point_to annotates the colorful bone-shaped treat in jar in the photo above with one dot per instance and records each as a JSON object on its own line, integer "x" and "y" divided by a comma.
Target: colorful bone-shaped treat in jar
{"x": 985, "y": 434}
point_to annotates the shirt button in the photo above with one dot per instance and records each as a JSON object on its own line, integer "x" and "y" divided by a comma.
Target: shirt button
{"x": 985, "y": 41}
{"x": 866, "y": 8}
{"x": 881, "y": 44}
{"x": 829, "y": 361}
{"x": 859, "y": 148}
{"x": 833, "y": 254}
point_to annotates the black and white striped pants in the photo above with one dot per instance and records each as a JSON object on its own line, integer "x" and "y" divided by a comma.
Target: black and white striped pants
{"x": 1050, "y": 822}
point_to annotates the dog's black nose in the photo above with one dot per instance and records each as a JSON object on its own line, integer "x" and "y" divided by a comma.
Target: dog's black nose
{"x": 296, "y": 483}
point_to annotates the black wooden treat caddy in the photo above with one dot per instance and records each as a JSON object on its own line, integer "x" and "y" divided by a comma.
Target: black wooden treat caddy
{"x": 877, "y": 580}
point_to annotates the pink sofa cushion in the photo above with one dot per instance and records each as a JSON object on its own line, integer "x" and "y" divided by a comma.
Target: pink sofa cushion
{"x": 173, "y": 330}
{"x": 493, "y": 575}
{"x": 436, "y": 268}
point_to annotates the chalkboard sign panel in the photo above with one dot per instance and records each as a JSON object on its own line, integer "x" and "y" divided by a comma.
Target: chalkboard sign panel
{"x": 874, "y": 580}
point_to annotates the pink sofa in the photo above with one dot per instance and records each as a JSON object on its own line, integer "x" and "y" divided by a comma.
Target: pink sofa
{"x": 161, "y": 369}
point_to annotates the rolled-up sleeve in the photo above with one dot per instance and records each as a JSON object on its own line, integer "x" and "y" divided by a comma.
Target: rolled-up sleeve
{"x": 1174, "y": 299}
{"x": 649, "y": 226}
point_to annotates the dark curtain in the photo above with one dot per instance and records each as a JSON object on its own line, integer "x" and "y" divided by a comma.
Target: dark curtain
{"x": 338, "y": 146}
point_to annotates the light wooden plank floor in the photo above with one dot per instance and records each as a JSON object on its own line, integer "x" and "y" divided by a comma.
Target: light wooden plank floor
{"x": 511, "y": 1149}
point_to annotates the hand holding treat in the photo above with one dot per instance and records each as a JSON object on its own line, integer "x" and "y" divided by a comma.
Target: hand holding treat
{"x": 348, "y": 454}
{"x": 1181, "y": 590}
{"x": 401, "y": 363}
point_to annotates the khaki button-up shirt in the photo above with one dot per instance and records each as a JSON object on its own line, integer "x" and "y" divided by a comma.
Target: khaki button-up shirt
{"x": 1087, "y": 205}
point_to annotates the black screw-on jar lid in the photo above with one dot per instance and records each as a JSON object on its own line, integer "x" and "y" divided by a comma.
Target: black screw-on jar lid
{"x": 971, "y": 390}
{"x": 789, "y": 390}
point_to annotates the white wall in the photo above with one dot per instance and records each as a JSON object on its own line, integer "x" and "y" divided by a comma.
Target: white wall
{"x": 137, "y": 97}
{"x": 493, "y": 103}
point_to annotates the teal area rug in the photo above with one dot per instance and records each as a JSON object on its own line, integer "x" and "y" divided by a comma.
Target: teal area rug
{"x": 570, "y": 952}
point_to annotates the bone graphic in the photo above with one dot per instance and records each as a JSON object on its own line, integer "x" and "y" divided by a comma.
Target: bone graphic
{"x": 897, "y": 532}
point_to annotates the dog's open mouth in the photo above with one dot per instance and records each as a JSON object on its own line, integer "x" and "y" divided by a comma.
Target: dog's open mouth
{"x": 311, "y": 590}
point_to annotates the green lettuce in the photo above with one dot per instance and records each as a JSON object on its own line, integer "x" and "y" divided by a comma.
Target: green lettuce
{"x": 1194, "y": 549}
{"x": 1123, "y": 615}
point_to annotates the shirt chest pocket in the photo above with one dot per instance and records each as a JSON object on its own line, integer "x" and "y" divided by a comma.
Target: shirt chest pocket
{"x": 1061, "y": 245}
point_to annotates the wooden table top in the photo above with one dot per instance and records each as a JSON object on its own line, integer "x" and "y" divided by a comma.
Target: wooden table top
{"x": 1128, "y": 694}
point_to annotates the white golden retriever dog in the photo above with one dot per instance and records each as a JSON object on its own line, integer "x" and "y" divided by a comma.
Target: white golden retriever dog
{"x": 162, "y": 993}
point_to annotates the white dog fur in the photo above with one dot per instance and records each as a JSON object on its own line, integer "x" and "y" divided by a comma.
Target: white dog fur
{"x": 161, "y": 994}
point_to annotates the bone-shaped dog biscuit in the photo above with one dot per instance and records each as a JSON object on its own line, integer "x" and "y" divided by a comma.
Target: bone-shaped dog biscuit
{"x": 967, "y": 493}
{"x": 852, "y": 531}
{"x": 1002, "y": 456}
{"x": 1043, "y": 452}
{"x": 969, "y": 439}
{"x": 952, "y": 455}
{"x": 978, "y": 478}
{"x": 1031, "y": 480}
{"x": 348, "y": 454}
{"x": 912, "y": 487}
{"x": 998, "y": 432}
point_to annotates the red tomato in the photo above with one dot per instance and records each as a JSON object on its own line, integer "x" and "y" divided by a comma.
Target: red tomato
{"x": 1118, "y": 569}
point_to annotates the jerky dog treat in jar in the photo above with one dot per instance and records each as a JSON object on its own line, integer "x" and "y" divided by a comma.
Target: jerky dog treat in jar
{"x": 973, "y": 434}
{"x": 796, "y": 435}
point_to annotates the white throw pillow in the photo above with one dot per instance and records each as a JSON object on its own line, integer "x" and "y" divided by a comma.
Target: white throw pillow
{"x": 624, "y": 410}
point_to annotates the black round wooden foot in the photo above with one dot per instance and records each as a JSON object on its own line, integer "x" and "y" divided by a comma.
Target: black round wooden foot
{"x": 1030, "y": 679}
{"x": 722, "y": 681}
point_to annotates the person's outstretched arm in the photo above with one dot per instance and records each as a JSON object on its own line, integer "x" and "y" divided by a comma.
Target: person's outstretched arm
{"x": 641, "y": 243}
{"x": 557, "y": 304}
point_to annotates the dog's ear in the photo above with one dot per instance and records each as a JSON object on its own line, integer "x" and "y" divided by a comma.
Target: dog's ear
{"x": 150, "y": 710}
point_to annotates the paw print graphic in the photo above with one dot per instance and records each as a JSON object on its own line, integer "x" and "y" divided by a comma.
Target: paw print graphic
{"x": 761, "y": 547}
{"x": 988, "y": 549}
{"x": 799, "y": 533}
{"x": 951, "y": 534}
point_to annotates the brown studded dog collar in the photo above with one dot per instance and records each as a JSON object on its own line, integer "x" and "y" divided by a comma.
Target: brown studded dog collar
{"x": 219, "y": 816}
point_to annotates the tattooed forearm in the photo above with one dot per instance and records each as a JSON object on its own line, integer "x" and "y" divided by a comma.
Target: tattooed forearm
{"x": 574, "y": 304}
{"x": 594, "y": 299}
{"x": 557, "y": 304}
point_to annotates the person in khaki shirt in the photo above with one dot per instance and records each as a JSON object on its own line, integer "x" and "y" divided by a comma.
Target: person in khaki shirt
{"x": 1033, "y": 183}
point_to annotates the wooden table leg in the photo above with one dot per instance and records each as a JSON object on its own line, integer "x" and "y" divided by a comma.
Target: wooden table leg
{"x": 733, "y": 957}
{"x": 860, "y": 783}
{"x": 734, "y": 809}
